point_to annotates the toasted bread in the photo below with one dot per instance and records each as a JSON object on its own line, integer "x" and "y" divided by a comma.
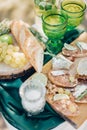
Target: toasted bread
{"x": 62, "y": 80}
{"x": 61, "y": 62}
{"x": 29, "y": 44}
{"x": 79, "y": 49}
{"x": 65, "y": 107}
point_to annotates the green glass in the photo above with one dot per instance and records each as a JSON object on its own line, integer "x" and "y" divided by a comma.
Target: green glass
{"x": 54, "y": 26}
{"x": 43, "y": 5}
{"x": 75, "y": 10}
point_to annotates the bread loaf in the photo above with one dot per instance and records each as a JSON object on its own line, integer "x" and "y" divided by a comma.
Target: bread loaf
{"x": 28, "y": 44}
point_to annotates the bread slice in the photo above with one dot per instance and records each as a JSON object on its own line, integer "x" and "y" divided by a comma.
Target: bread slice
{"x": 82, "y": 69}
{"x": 28, "y": 44}
{"x": 63, "y": 80}
{"x": 79, "y": 49}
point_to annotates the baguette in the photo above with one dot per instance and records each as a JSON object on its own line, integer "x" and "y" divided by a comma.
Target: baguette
{"x": 28, "y": 44}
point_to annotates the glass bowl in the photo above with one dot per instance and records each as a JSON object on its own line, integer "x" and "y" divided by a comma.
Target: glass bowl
{"x": 75, "y": 10}
{"x": 32, "y": 93}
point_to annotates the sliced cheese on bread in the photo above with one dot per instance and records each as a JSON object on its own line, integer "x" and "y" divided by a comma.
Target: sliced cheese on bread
{"x": 61, "y": 62}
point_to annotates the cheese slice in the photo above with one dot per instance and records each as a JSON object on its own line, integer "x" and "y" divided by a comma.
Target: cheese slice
{"x": 82, "y": 67}
{"x": 60, "y": 62}
{"x": 82, "y": 45}
{"x": 60, "y": 97}
{"x": 57, "y": 72}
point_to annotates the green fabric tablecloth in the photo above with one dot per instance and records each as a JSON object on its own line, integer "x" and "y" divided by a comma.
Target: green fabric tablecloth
{"x": 12, "y": 110}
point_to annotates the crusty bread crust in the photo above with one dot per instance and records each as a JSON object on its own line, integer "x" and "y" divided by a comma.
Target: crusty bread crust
{"x": 28, "y": 44}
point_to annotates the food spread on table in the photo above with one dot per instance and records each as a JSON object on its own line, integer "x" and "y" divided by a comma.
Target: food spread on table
{"x": 67, "y": 84}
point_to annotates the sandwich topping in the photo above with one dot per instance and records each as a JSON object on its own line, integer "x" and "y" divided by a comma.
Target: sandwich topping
{"x": 69, "y": 47}
{"x": 82, "y": 45}
{"x": 61, "y": 99}
{"x": 80, "y": 91}
{"x": 82, "y": 67}
{"x": 57, "y": 72}
{"x": 79, "y": 49}
{"x": 60, "y": 62}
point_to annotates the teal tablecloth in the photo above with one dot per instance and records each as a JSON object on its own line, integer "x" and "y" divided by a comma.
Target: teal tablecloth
{"x": 12, "y": 110}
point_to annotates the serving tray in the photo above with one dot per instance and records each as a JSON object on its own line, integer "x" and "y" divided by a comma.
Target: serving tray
{"x": 78, "y": 120}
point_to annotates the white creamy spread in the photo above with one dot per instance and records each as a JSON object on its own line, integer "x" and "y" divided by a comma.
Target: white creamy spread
{"x": 69, "y": 47}
{"x": 83, "y": 45}
{"x": 57, "y": 72}
{"x": 60, "y": 62}
{"x": 82, "y": 67}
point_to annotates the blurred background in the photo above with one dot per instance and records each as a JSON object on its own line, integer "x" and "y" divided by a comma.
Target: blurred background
{"x": 22, "y": 9}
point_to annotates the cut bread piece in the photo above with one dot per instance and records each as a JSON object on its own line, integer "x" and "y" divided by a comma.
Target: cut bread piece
{"x": 82, "y": 69}
{"x": 79, "y": 49}
{"x": 65, "y": 107}
{"x": 63, "y": 80}
{"x": 29, "y": 44}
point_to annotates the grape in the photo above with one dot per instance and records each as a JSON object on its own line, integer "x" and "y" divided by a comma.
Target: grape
{"x": 16, "y": 48}
{"x": 10, "y": 55}
{"x": 6, "y": 38}
{"x": 7, "y": 59}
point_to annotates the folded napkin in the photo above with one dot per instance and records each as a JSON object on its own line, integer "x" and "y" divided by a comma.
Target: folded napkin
{"x": 12, "y": 110}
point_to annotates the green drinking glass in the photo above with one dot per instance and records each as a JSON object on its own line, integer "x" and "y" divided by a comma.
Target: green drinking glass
{"x": 54, "y": 26}
{"x": 43, "y": 5}
{"x": 75, "y": 10}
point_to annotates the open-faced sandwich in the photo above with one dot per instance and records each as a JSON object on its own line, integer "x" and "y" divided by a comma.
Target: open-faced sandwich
{"x": 61, "y": 100}
{"x": 78, "y": 49}
{"x": 80, "y": 93}
{"x": 59, "y": 74}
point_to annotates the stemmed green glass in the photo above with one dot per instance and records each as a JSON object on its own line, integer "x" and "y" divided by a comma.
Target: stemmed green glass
{"x": 54, "y": 24}
{"x": 75, "y": 10}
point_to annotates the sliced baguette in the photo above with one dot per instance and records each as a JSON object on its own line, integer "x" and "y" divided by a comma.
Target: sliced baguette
{"x": 29, "y": 44}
